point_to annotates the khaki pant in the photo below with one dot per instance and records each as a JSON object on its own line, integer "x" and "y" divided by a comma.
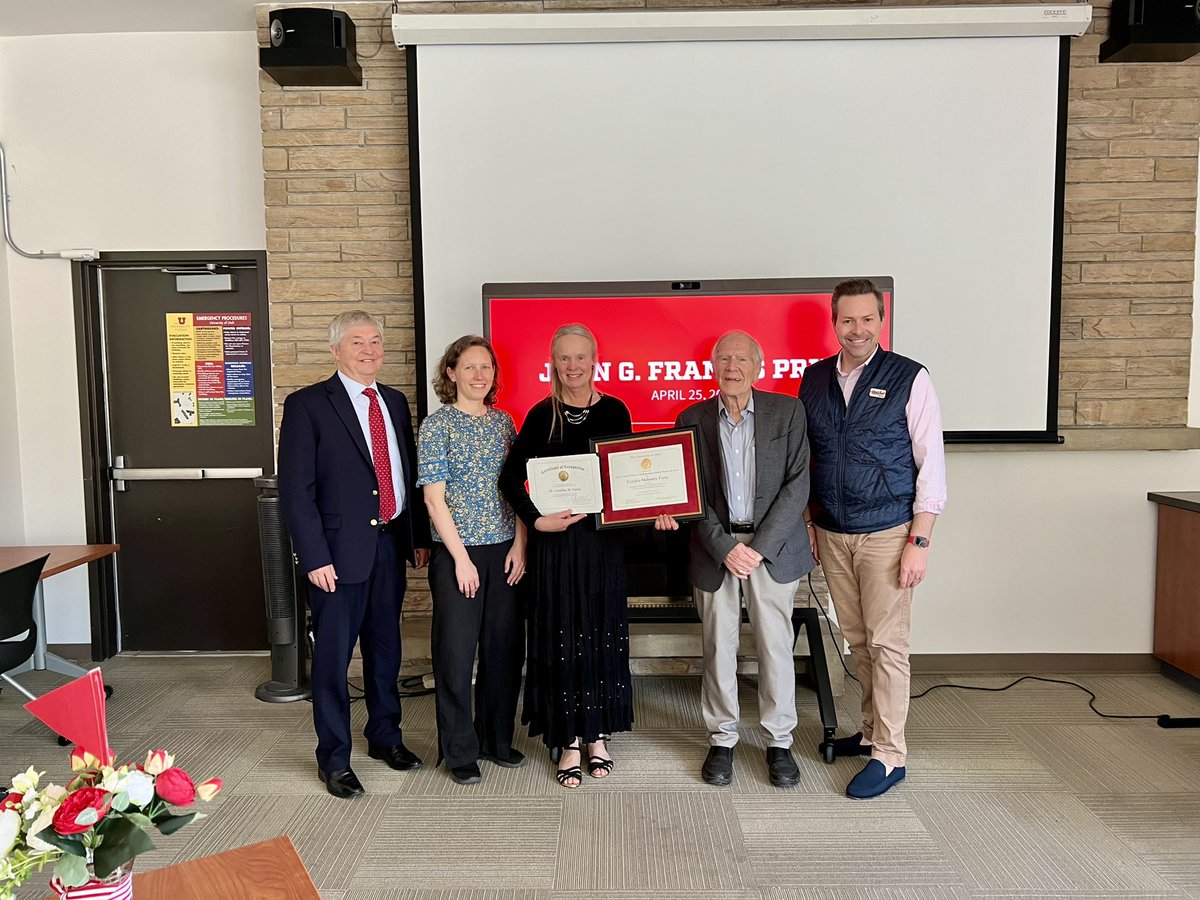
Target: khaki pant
{"x": 875, "y": 614}
{"x": 769, "y": 606}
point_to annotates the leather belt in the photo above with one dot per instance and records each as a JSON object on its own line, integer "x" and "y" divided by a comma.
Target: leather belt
{"x": 741, "y": 528}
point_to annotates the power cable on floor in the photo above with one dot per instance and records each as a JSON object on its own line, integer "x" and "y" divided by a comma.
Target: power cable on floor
{"x": 1164, "y": 720}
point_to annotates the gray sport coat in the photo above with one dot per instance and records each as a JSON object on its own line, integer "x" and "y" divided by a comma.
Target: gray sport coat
{"x": 780, "y": 492}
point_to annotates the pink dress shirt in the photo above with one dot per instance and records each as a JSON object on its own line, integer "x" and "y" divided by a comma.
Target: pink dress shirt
{"x": 925, "y": 432}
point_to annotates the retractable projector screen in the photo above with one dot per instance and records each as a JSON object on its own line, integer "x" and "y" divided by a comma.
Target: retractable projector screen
{"x": 937, "y": 162}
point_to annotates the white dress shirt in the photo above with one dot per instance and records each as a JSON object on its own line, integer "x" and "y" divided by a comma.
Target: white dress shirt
{"x": 362, "y": 406}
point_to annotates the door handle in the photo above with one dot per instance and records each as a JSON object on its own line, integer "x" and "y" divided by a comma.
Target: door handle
{"x": 232, "y": 473}
{"x": 122, "y": 474}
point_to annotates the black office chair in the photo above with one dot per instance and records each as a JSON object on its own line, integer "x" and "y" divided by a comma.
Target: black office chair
{"x": 17, "y": 589}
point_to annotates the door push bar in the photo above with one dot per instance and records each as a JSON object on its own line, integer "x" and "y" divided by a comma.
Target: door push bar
{"x": 122, "y": 473}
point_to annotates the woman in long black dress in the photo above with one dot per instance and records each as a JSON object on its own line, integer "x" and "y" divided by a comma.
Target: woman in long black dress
{"x": 577, "y": 685}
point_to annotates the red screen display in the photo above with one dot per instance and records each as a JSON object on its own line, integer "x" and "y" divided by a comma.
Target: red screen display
{"x": 655, "y": 351}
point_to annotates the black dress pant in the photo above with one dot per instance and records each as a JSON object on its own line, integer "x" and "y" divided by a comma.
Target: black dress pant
{"x": 367, "y": 612}
{"x": 491, "y": 622}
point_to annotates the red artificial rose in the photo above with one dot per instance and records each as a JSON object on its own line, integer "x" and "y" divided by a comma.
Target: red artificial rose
{"x": 175, "y": 786}
{"x": 73, "y": 805}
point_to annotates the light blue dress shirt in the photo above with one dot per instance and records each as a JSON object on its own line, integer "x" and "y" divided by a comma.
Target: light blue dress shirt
{"x": 737, "y": 454}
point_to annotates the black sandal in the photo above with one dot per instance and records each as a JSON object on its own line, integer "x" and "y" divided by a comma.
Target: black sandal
{"x": 574, "y": 773}
{"x": 597, "y": 764}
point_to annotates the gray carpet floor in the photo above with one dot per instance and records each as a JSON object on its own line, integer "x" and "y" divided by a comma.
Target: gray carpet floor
{"x": 1025, "y": 793}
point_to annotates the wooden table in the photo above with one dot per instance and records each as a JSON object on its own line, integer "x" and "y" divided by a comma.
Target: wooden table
{"x": 267, "y": 871}
{"x": 62, "y": 558}
{"x": 257, "y": 872}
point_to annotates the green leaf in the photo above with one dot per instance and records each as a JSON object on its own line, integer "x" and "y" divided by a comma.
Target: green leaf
{"x": 120, "y": 802}
{"x": 139, "y": 819}
{"x": 70, "y": 844}
{"x": 171, "y": 824}
{"x": 122, "y": 842}
{"x": 72, "y": 870}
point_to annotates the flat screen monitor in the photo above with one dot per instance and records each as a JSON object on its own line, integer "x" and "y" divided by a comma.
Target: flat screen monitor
{"x": 656, "y": 338}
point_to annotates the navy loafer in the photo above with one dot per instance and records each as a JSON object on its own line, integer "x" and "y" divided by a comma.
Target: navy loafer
{"x": 873, "y": 780}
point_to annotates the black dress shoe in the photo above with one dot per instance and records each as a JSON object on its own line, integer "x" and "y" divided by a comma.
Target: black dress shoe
{"x": 468, "y": 774}
{"x": 514, "y": 760}
{"x": 343, "y": 783}
{"x": 781, "y": 767}
{"x": 399, "y": 757}
{"x": 718, "y": 766}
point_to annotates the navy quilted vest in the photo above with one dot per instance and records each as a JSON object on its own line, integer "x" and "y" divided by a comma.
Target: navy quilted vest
{"x": 864, "y": 477}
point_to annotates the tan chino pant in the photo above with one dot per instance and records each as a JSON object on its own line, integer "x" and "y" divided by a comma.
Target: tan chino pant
{"x": 875, "y": 614}
{"x": 769, "y": 606}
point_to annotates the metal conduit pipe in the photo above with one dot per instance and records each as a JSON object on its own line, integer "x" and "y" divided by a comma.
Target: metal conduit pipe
{"x": 42, "y": 254}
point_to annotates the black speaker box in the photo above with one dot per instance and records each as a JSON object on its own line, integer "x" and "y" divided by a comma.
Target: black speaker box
{"x": 1152, "y": 31}
{"x": 311, "y": 47}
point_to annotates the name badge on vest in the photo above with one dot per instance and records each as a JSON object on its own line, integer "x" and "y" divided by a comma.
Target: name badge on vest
{"x": 878, "y": 392}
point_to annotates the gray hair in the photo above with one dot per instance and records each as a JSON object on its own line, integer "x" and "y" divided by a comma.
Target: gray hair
{"x": 758, "y": 351}
{"x": 347, "y": 320}
{"x": 556, "y": 388}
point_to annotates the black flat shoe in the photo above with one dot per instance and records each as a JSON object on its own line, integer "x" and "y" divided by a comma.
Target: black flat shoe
{"x": 398, "y": 757}
{"x": 781, "y": 767}
{"x": 343, "y": 783}
{"x": 514, "y": 760}
{"x": 468, "y": 774}
{"x": 718, "y": 766}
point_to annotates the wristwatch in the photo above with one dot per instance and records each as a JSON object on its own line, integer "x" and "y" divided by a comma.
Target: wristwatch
{"x": 919, "y": 541}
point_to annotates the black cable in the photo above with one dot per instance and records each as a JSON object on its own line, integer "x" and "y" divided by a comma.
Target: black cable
{"x": 379, "y": 46}
{"x": 1164, "y": 721}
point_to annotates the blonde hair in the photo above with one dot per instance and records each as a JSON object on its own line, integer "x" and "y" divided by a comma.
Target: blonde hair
{"x": 556, "y": 387}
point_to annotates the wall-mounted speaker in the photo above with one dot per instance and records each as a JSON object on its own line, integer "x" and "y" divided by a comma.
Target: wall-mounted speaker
{"x": 312, "y": 47}
{"x": 1152, "y": 31}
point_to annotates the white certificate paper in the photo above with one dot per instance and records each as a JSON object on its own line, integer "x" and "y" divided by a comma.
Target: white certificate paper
{"x": 558, "y": 483}
{"x": 648, "y": 477}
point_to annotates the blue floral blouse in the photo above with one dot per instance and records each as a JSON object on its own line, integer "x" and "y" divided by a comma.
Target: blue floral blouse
{"x": 466, "y": 452}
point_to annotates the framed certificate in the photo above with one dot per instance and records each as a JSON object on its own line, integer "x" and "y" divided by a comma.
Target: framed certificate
{"x": 558, "y": 483}
{"x": 648, "y": 474}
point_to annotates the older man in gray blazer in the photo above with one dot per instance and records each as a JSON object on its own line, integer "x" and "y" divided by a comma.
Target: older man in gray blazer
{"x": 750, "y": 548}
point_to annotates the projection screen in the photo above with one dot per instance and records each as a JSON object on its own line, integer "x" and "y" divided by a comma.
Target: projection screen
{"x": 935, "y": 161}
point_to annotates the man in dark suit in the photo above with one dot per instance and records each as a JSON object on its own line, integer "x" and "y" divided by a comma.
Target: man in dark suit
{"x": 347, "y": 487}
{"x": 750, "y": 547}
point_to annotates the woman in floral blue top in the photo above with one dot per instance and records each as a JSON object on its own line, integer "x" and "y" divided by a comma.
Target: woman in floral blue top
{"x": 478, "y": 558}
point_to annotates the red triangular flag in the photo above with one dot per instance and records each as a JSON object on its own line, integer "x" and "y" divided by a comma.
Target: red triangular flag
{"x": 76, "y": 711}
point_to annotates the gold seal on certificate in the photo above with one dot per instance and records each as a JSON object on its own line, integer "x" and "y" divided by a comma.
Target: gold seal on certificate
{"x": 558, "y": 483}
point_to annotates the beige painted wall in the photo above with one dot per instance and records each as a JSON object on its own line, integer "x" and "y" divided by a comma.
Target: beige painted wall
{"x": 115, "y": 142}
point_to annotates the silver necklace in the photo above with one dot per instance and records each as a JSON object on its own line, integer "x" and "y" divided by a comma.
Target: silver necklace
{"x": 578, "y": 418}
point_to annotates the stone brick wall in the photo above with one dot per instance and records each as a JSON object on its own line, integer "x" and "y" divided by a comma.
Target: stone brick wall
{"x": 337, "y": 194}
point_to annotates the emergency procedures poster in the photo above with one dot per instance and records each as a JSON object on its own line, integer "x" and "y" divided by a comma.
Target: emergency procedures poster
{"x": 211, "y": 369}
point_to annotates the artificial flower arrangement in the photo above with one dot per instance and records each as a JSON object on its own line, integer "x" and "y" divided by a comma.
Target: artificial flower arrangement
{"x": 97, "y": 824}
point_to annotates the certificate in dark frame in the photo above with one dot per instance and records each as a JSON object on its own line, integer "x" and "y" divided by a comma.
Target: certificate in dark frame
{"x": 688, "y": 439}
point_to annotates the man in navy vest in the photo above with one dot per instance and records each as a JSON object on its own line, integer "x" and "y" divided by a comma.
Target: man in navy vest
{"x": 347, "y": 488}
{"x": 878, "y": 484}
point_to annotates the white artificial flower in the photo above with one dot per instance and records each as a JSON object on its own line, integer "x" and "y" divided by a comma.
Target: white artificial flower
{"x": 43, "y": 821}
{"x": 10, "y": 830}
{"x": 26, "y": 781}
{"x": 114, "y": 781}
{"x": 140, "y": 787}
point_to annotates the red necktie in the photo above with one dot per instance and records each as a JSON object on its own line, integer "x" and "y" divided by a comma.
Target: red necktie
{"x": 383, "y": 460}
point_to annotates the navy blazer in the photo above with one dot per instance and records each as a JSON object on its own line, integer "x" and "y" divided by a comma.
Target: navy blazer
{"x": 327, "y": 486}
